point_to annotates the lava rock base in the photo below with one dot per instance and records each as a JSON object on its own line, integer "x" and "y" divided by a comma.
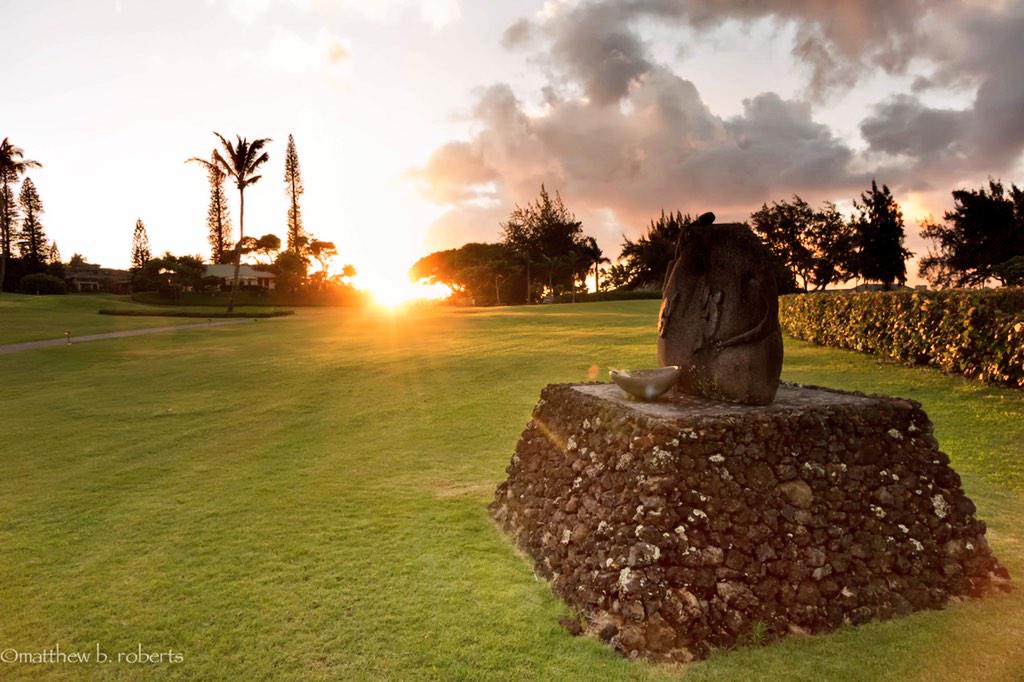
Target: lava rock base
{"x": 684, "y": 525}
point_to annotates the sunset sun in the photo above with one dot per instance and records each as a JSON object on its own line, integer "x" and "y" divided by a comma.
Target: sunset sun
{"x": 399, "y": 290}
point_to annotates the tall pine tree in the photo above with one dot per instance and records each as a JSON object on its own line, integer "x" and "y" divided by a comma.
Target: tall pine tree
{"x": 878, "y": 238}
{"x": 13, "y": 165}
{"x": 293, "y": 186}
{"x": 53, "y": 255}
{"x": 140, "y": 246}
{"x": 31, "y": 239}
{"x": 218, "y": 220}
{"x": 8, "y": 217}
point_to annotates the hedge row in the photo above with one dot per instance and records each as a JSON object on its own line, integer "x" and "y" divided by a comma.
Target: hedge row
{"x": 249, "y": 298}
{"x": 263, "y": 314}
{"x": 977, "y": 333}
{"x": 610, "y": 295}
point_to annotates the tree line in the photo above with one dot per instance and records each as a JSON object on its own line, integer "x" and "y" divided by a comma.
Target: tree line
{"x": 240, "y": 162}
{"x": 25, "y": 250}
{"x": 544, "y": 253}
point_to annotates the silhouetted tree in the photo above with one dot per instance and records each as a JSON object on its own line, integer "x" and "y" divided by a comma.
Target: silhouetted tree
{"x": 8, "y": 221}
{"x": 323, "y": 252}
{"x": 170, "y": 275}
{"x": 266, "y": 246}
{"x": 517, "y": 237}
{"x": 479, "y": 272}
{"x": 544, "y": 232}
{"x": 813, "y": 245}
{"x": 218, "y": 220}
{"x": 578, "y": 266}
{"x": 291, "y": 270}
{"x": 830, "y": 239}
{"x": 77, "y": 260}
{"x": 31, "y": 238}
{"x": 53, "y": 255}
{"x": 644, "y": 263}
{"x": 878, "y": 238}
{"x": 12, "y": 166}
{"x": 140, "y": 245}
{"x": 293, "y": 187}
{"x": 595, "y": 257}
{"x": 982, "y": 235}
{"x": 783, "y": 228}
{"x": 240, "y": 162}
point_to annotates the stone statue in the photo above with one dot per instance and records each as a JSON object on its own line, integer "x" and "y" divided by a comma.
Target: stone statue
{"x": 719, "y": 319}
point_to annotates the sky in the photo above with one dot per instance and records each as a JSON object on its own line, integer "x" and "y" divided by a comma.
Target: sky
{"x": 419, "y": 124}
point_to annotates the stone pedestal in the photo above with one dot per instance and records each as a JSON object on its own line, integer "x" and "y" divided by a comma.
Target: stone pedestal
{"x": 686, "y": 524}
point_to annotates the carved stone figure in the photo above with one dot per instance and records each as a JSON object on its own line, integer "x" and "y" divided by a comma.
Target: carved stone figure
{"x": 719, "y": 319}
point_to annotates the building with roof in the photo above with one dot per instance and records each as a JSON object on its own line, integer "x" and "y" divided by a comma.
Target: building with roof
{"x": 248, "y": 276}
{"x": 85, "y": 277}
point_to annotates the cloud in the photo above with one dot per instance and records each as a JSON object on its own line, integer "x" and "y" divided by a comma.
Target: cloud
{"x": 598, "y": 49}
{"x": 455, "y": 173}
{"x": 292, "y": 54}
{"x": 902, "y": 125}
{"x": 517, "y": 34}
{"x": 437, "y": 13}
{"x": 988, "y": 136}
{"x": 598, "y": 42}
{"x": 667, "y": 149}
{"x": 621, "y": 134}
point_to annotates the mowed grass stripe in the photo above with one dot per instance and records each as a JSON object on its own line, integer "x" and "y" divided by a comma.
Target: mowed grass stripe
{"x": 307, "y": 501}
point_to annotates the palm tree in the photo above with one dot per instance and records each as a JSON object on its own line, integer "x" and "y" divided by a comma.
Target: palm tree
{"x": 574, "y": 259}
{"x": 12, "y": 166}
{"x": 597, "y": 257}
{"x": 243, "y": 160}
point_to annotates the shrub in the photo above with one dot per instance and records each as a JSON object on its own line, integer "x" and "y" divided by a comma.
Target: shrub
{"x": 263, "y": 314}
{"x": 41, "y": 283}
{"x": 332, "y": 295}
{"x": 977, "y": 333}
{"x": 611, "y": 295}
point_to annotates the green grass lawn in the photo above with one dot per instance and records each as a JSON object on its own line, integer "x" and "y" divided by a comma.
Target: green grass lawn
{"x": 305, "y": 499}
{"x": 32, "y": 318}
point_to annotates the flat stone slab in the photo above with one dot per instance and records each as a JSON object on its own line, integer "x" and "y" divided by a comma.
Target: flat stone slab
{"x": 684, "y": 525}
{"x": 679, "y": 406}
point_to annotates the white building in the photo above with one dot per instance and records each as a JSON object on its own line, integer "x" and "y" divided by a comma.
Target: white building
{"x": 247, "y": 276}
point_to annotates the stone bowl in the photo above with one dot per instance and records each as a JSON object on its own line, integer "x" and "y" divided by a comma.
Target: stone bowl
{"x": 646, "y": 384}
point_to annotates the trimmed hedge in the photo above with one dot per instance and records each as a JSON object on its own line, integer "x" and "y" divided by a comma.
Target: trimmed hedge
{"x": 249, "y": 298}
{"x": 612, "y": 295}
{"x": 41, "y": 283}
{"x": 198, "y": 314}
{"x": 977, "y": 333}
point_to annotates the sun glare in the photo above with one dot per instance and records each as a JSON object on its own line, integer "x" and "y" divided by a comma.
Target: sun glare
{"x": 398, "y": 291}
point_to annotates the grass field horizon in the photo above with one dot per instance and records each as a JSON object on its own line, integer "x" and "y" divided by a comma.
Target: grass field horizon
{"x": 24, "y": 317}
{"x": 306, "y": 499}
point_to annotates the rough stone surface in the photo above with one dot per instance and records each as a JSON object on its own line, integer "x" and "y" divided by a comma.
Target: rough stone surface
{"x": 719, "y": 319}
{"x": 674, "y": 527}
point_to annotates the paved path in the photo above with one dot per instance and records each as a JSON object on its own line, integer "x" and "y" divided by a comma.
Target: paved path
{"x": 48, "y": 343}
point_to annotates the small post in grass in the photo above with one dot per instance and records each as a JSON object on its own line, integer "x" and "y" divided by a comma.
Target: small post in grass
{"x": 67, "y": 335}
